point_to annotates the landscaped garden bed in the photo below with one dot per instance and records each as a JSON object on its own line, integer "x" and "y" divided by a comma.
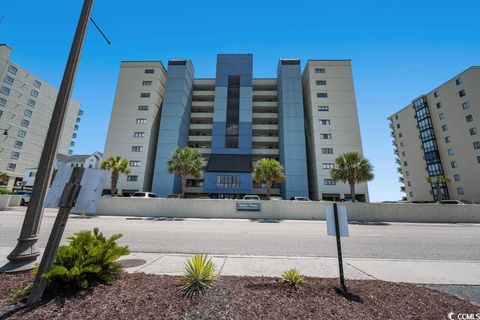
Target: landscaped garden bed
{"x": 146, "y": 296}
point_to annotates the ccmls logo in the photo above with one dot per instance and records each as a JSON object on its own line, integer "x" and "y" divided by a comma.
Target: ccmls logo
{"x": 464, "y": 316}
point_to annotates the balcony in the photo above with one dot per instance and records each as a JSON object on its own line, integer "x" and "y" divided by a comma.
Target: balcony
{"x": 402, "y": 189}
{"x": 398, "y": 161}
{"x": 401, "y": 180}
{"x": 202, "y": 104}
{"x": 265, "y": 152}
{"x": 399, "y": 170}
{"x": 263, "y": 191}
{"x": 206, "y": 126}
{"x": 265, "y": 115}
{"x": 266, "y": 139}
{"x": 201, "y": 115}
{"x": 265, "y": 104}
{"x": 202, "y": 150}
{"x": 265, "y": 127}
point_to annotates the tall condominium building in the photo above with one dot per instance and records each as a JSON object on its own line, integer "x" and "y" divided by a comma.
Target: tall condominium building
{"x": 234, "y": 120}
{"x": 437, "y": 135}
{"x": 26, "y": 106}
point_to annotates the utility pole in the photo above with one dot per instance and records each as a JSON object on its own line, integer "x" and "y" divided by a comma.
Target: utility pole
{"x": 26, "y": 251}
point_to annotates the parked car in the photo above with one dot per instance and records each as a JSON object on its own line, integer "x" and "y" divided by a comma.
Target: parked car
{"x": 251, "y": 197}
{"x": 349, "y": 200}
{"x": 299, "y": 198}
{"x": 175, "y": 196}
{"x": 451, "y": 202}
{"x": 276, "y": 198}
{"x": 25, "y": 196}
{"x": 144, "y": 195}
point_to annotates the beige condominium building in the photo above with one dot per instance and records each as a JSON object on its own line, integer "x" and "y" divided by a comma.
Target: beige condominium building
{"x": 134, "y": 121}
{"x": 437, "y": 134}
{"x": 26, "y": 106}
{"x": 234, "y": 120}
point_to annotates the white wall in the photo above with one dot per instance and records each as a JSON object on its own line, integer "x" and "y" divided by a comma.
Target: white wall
{"x": 315, "y": 210}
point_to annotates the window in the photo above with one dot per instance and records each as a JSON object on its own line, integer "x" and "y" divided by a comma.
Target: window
{"x": 141, "y": 121}
{"x": 147, "y": 83}
{"x": 476, "y": 145}
{"x": 149, "y": 71}
{"x": 134, "y": 163}
{"x": 321, "y": 82}
{"x": 18, "y": 144}
{"x": 228, "y": 181}
{"x": 145, "y": 95}
{"x": 326, "y": 136}
{"x": 37, "y": 84}
{"x": 451, "y": 152}
{"x": 401, "y": 144}
{"x": 319, "y": 70}
{"x": 1, "y": 113}
{"x": 34, "y": 93}
{"x": 3, "y": 102}
{"x": 405, "y": 163}
{"x": 410, "y": 194}
{"x": 25, "y": 123}
{"x": 409, "y": 183}
{"x": 76, "y": 127}
{"x": 461, "y": 93}
{"x": 72, "y": 144}
{"x": 473, "y": 131}
{"x": 478, "y": 159}
{"x": 323, "y": 108}
{"x": 398, "y": 125}
{"x": 74, "y": 135}
{"x": 396, "y": 117}
{"x": 459, "y": 81}
{"x": 322, "y": 95}
{"x": 139, "y": 134}
{"x": 448, "y": 139}
{"x": 469, "y": 118}
{"x": 400, "y": 135}
{"x": 444, "y": 127}
{"x": 407, "y": 173}
{"x": 11, "y": 166}
{"x": 453, "y": 164}
{"x": 328, "y": 165}
{"x": 442, "y": 116}
{"x": 466, "y": 105}
{"x": 5, "y": 90}
{"x": 329, "y": 182}
{"x": 12, "y": 69}
{"x": 439, "y": 105}
{"x": 456, "y": 177}
{"x": 21, "y": 133}
{"x": 137, "y": 148}
{"x": 8, "y": 79}
{"x": 436, "y": 94}
{"x": 324, "y": 122}
{"x": 131, "y": 178}
{"x": 233, "y": 112}
{"x": 142, "y": 108}
{"x": 460, "y": 191}
{"x": 403, "y": 153}
{"x": 31, "y": 102}
{"x": 14, "y": 155}
{"x": 327, "y": 150}
{"x": 27, "y": 113}
{"x": 32, "y": 174}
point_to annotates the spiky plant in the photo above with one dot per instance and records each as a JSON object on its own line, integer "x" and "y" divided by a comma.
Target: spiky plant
{"x": 293, "y": 277}
{"x": 199, "y": 275}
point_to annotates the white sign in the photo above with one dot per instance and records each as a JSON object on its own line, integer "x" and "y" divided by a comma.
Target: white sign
{"x": 342, "y": 221}
{"x": 92, "y": 184}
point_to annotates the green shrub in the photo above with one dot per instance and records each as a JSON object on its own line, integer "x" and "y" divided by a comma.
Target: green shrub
{"x": 198, "y": 276}
{"x": 21, "y": 294}
{"x": 89, "y": 258}
{"x": 293, "y": 277}
{"x": 5, "y": 191}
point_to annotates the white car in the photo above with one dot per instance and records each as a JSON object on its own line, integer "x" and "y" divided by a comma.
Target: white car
{"x": 251, "y": 197}
{"x": 144, "y": 195}
{"x": 299, "y": 199}
{"x": 25, "y": 196}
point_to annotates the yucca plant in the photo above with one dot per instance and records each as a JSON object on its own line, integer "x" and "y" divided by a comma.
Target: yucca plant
{"x": 198, "y": 276}
{"x": 88, "y": 258}
{"x": 293, "y": 277}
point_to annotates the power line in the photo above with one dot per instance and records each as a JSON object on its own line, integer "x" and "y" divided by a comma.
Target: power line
{"x": 98, "y": 28}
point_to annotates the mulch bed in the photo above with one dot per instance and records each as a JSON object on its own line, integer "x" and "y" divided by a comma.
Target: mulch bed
{"x": 146, "y": 296}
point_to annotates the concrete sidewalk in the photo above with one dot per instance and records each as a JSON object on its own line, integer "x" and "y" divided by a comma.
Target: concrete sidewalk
{"x": 398, "y": 270}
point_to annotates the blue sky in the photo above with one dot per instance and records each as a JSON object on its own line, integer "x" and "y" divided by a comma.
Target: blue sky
{"x": 399, "y": 50}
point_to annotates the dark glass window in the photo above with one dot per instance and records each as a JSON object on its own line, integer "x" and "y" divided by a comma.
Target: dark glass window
{"x": 233, "y": 112}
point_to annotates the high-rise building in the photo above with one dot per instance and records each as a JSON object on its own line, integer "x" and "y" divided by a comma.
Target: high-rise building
{"x": 26, "y": 107}
{"x": 436, "y": 135}
{"x": 234, "y": 120}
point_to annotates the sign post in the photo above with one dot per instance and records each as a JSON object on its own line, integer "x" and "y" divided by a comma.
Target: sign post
{"x": 337, "y": 225}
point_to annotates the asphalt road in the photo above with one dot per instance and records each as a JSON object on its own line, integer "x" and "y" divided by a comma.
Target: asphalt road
{"x": 271, "y": 238}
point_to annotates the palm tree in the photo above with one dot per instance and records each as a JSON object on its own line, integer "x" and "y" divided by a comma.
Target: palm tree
{"x": 3, "y": 178}
{"x": 437, "y": 182}
{"x": 352, "y": 168}
{"x": 117, "y": 166}
{"x": 268, "y": 171}
{"x": 185, "y": 162}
